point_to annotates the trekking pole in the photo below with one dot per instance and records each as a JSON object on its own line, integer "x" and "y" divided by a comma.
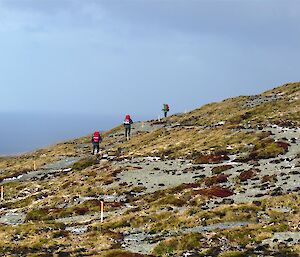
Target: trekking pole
{"x": 101, "y": 208}
{"x": 2, "y": 193}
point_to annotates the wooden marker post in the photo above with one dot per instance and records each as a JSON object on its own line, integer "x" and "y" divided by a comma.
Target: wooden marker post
{"x": 143, "y": 124}
{"x": 34, "y": 165}
{"x": 101, "y": 208}
{"x": 2, "y": 193}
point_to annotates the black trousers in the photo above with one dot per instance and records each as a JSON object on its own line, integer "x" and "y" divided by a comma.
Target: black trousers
{"x": 95, "y": 147}
{"x": 127, "y": 131}
{"x": 166, "y": 113}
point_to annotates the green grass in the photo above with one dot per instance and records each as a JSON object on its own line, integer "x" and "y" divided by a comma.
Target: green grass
{"x": 179, "y": 244}
{"x": 85, "y": 163}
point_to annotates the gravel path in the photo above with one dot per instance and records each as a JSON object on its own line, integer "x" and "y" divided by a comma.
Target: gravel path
{"x": 140, "y": 242}
{"x": 46, "y": 170}
{"x": 155, "y": 174}
{"x": 13, "y": 218}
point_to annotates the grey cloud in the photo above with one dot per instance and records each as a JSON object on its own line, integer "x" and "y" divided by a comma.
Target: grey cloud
{"x": 202, "y": 50}
{"x": 252, "y": 22}
{"x": 256, "y": 21}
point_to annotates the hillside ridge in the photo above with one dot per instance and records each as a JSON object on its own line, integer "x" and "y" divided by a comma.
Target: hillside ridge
{"x": 222, "y": 180}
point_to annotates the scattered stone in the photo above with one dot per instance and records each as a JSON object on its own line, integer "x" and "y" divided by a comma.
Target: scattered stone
{"x": 257, "y": 203}
{"x": 227, "y": 201}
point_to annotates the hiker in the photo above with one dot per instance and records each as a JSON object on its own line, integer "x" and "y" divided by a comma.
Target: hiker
{"x": 96, "y": 140}
{"x": 127, "y": 125}
{"x": 165, "y": 109}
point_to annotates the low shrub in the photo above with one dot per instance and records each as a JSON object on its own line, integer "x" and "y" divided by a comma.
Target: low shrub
{"x": 214, "y": 191}
{"x": 211, "y": 159}
{"x": 221, "y": 178}
{"x": 84, "y": 163}
{"x": 220, "y": 169}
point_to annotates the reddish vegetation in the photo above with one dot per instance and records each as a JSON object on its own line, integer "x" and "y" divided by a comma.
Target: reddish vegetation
{"x": 61, "y": 233}
{"x": 114, "y": 235}
{"x": 108, "y": 181}
{"x": 214, "y": 191}
{"x": 114, "y": 204}
{"x": 286, "y": 123}
{"x": 81, "y": 210}
{"x": 269, "y": 178}
{"x": 248, "y": 174}
{"x": 116, "y": 172}
{"x": 187, "y": 186}
{"x": 213, "y": 158}
{"x": 283, "y": 145}
{"x": 219, "y": 169}
{"x": 221, "y": 178}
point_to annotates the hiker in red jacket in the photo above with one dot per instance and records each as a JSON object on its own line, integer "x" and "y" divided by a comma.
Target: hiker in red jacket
{"x": 127, "y": 125}
{"x": 96, "y": 140}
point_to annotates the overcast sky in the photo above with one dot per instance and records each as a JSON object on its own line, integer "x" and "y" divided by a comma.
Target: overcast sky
{"x": 111, "y": 57}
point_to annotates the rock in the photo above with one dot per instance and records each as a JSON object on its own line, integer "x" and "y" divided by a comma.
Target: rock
{"x": 261, "y": 248}
{"x": 199, "y": 176}
{"x": 227, "y": 201}
{"x": 259, "y": 195}
{"x": 277, "y": 191}
{"x": 257, "y": 203}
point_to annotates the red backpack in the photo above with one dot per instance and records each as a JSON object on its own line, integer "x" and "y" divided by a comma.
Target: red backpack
{"x": 96, "y": 137}
{"x": 127, "y": 119}
{"x": 168, "y": 108}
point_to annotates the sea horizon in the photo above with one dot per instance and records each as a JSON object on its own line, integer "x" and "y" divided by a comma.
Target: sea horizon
{"x": 26, "y": 132}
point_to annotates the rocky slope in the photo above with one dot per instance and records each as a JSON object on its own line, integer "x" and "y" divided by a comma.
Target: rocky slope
{"x": 222, "y": 180}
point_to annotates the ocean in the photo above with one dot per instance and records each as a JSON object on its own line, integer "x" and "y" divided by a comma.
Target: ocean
{"x": 20, "y": 133}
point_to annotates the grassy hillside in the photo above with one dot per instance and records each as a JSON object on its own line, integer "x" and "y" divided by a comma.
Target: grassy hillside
{"x": 217, "y": 126}
{"x": 222, "y": 180}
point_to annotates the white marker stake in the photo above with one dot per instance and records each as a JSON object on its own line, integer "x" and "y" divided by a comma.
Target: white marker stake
{"x": 159, "y": 118}
{"x": 102, "y": 207}
{"x": 2, "y": 193}
{"x": 143, "y": 124}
